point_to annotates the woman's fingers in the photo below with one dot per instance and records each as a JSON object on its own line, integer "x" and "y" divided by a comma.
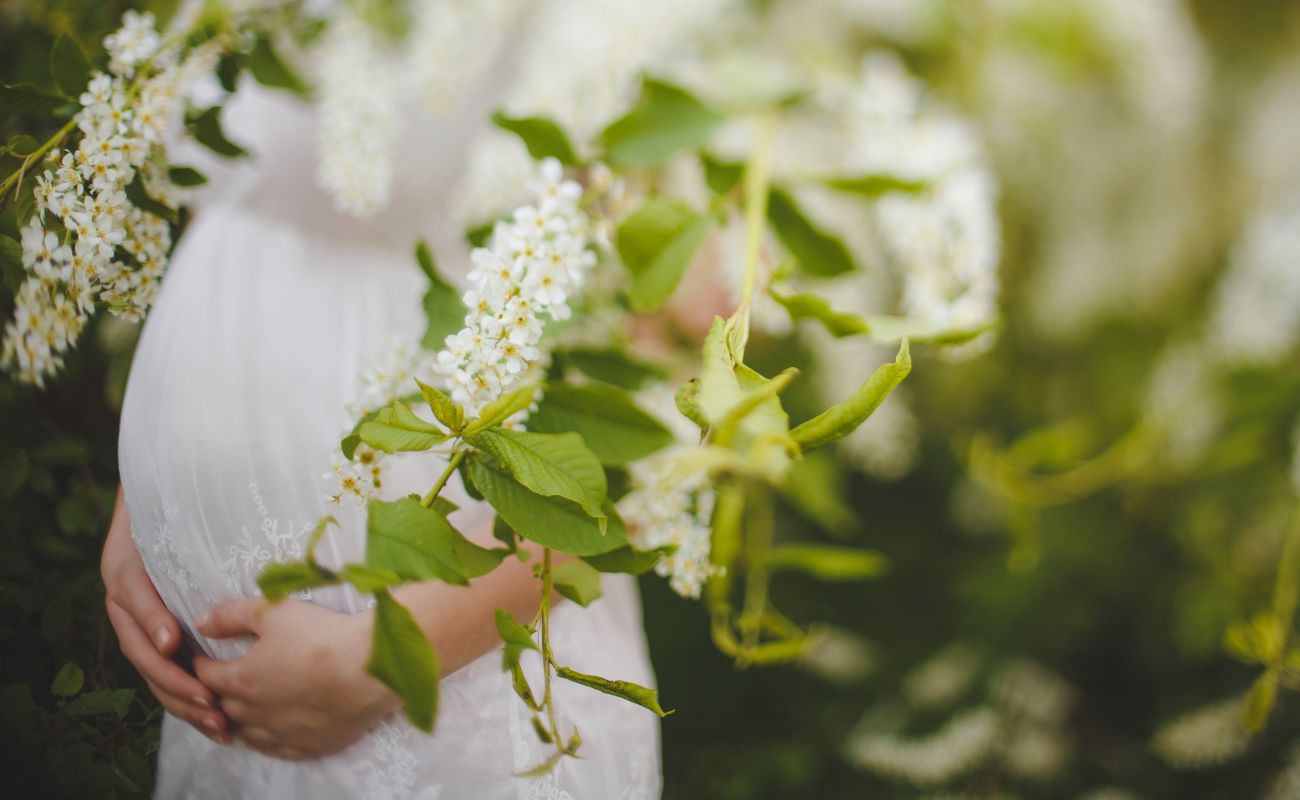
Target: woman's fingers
{"x": 135, "y": 592}
{"x": 235, "y": 618}
{"x": 224, "y": 677}
{"x": 206, "y": 720}
{"x": 155, "y": 668}
{"x": 240, "y": 713}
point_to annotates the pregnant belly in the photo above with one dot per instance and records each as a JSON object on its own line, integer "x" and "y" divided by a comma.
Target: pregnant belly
{"x": 236, "y": 401}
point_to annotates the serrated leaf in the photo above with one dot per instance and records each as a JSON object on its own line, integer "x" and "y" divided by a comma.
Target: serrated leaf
{"x": 444, "y": 409}
{"x": 549, "y": 521}
{"x": 843, "y": 418}
{"x": 656, "y": 243}
{"x": 403, "y": 660}
{"x": 417, "y": 543}
{"x": 608, "y": 420}
{"x": 817, "y": 252}
{"x": 549, "y": 464}
{"x": 348, "y": 444}
{"x": 186, "y": 176}
{"x": 271, "y": 70}
{"x": 396, "y": 428}
{"x": 628, "y": 559}
{"x": 542, "y": 136}
{"x": 501, "y": 409}
{"x": 206, "y": 129}
{"x": 665, "y": 120}
{"x": 827, "y": 562}
{"x": 578, "y": 581}
{"x": 515, "y": 639}
{"x": 70, "y": 66}
{"x": 26, "y": 98}
{"x": 633, "y": 693}
{"x": 68, "y": 681}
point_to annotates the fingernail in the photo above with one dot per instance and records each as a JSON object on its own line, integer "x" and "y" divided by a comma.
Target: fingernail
{"x": 163, "y": 636}
{"x": 201, "y": 700}
{"x": 213, "y": 726}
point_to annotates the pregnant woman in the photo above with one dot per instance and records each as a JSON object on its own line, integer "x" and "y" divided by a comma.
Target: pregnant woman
{"x": 272, "y": 308}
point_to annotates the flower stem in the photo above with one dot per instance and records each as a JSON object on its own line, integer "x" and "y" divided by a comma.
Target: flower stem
{"x": 547, "y": 657}
{"x": 456, "y": 458}
{"x": 758, "y": 181}
{"x": 36, "y": 155}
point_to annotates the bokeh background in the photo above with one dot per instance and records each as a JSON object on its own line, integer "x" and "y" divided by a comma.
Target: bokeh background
{"x": 1074, "y": 518}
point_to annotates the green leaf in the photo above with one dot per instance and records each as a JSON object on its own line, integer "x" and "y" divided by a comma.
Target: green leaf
{"x": 505, "y": 534}
{"x": 1259, "y": 702}
{"x": 444, "y": 409}
{"x": 665, "y": 119}
{"x": 68, "y": 681}
{"x": 608, "y": 420}
{"x": 687, "y": 399}
{"x": 205, "y": 126}
{"x": 551, "y": 522}
{"x": 875, "y": 185}
{"x": 280, "y": 580}
{"x": 317, "y": 533}
{"x": 105, "y": 701}
{"x": 270, "y": 70}
{"x": 881, "y": 327}
{"x": 628, "y": 559}
{"x": 368, "y": 579}
{"x": 444, "y": 312}
{"x": 578, "y": 581}
{"x": 542, "y": 137}
{"x": 817, "y": 252}
{"x": 543, "y": 769}
{"x": 656, "y": 243}
{"x": 515, "y": 637}
{"x": 70, "y": 66}
{"x": 26, "y": 98}
{"x": 228, "y": 69}
{"x": 843, "y": 418}
{"x": 802, "y": 305}
{"x": 501, "y": 409}
{"x": 612, "y": 366}
{"x": 761, "y": 393}
{"x": 395, "y": 428}
{"x": 349, "y": 443}
{"x": 827, "y": 562}
{"x": 549, "y": 464}
{"x": 733, "y": 396}
{"x": 814, "y": 485}
{"x": 417, "y": 543}
{"x": 721, "y": 176}
{"x": 403, "y": 660}
{"x": 139, "y": 197}
{"x": 186, "y": 176}
{"x": 646, "y": 698}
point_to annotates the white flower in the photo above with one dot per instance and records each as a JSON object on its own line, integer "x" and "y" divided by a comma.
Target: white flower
{"x": 1205, "y": 737}
{"x": 671, "y": 505}
{"x": 135, "y": 41}
{"x": 534, "y": 262}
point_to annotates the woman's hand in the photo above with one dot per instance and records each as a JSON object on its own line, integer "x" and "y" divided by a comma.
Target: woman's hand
{"x": 301, "y": 691}
{"x": 148, "y": 633}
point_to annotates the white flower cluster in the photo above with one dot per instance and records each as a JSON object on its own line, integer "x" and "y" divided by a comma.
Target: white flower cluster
{"x": 358, "y": 117}
{"x": 928, "y": 760}
{"x": 87, "y": 242}
{"x": 1256, "y": 314}
{"x": 356, "y": 480}
{"x": 944, "y": 241}
{"x": 671, "y": 504}
{"x": 534, "y": 262}
{"x": 1205, "y": 737}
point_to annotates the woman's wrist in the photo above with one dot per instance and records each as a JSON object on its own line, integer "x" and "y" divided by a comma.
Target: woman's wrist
{"x": 353, "y": 650}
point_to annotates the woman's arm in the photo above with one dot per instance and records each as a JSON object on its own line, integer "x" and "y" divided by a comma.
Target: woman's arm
{"x": 301, "y": 691}
{"x": 148, "y": 633}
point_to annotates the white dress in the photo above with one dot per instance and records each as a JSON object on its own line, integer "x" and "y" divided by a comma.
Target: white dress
{"x": 271, "y": 309}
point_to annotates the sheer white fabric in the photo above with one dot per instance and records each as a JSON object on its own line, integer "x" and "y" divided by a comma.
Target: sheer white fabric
{"x": 272, "y": 307}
